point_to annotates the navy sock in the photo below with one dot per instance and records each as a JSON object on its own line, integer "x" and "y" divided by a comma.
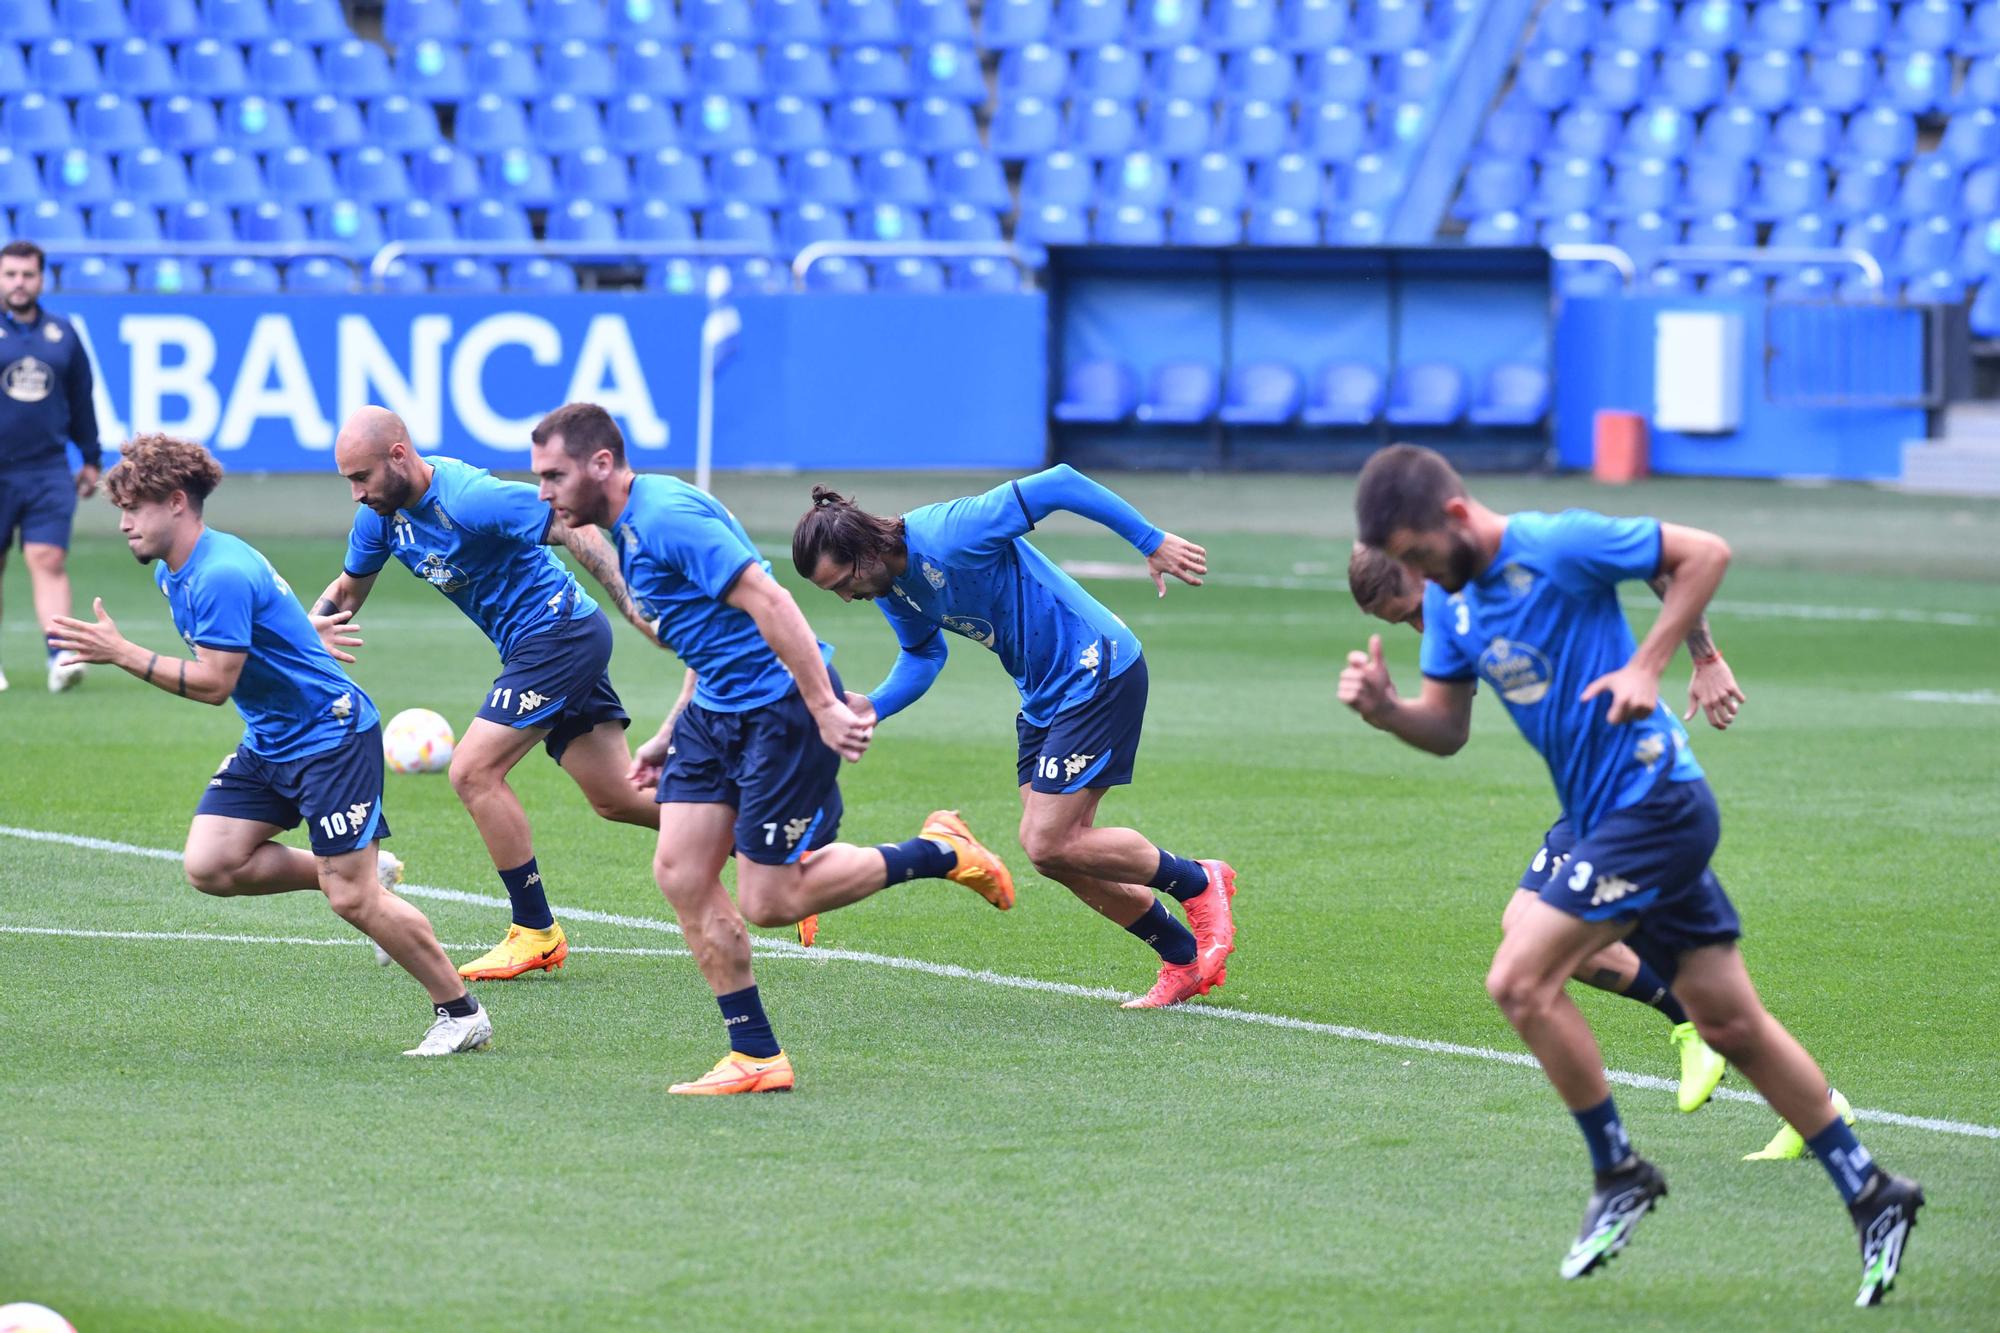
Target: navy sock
{"x": 524, "y": 891}
{"x": 463, "y": 1007}
{"x": 743, "y": 1019}
{"x": 1605, "y": 1134}
{"x": 1844, "y": 1158}
{"x": 50, "y": 644}
{"x": 1169, "y": 938}
{"x": 1178, "y": 877}
{"x": 1649, "y": 987}
{"x": 919, "y": 858}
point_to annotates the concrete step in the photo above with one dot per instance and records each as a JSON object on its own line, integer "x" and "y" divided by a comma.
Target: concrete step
{"x": 1972, "y": 420}
{"x": 1958, "y": 465}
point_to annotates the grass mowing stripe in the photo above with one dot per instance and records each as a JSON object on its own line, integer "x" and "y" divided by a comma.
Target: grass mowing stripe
{"x": 952, "y": 971}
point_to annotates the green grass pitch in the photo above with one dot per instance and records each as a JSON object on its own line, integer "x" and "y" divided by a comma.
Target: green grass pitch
{"x": 220, "y": 1134}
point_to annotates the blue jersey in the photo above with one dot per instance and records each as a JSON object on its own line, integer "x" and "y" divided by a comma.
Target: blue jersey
{"x": 478, "y": 540}
{"x": 972, "y": 571}
{"x": 1540, "y": 624}
{"x": 45, "y": 393}
{"x": 681, "y": 552}
{"x": 293, "y": 696}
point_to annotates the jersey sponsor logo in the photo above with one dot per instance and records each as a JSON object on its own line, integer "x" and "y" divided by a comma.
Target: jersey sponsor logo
{"x": 934, "y": 576}
{"x": 27, "y": 380}
{"x": 972, "y": 627}
{"x": 1520, "y": 671}
{"x": 440, "y": 573}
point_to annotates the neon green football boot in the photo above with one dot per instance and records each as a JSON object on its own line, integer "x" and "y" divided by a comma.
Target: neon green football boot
{"x": 1789, "y": 1144}
{"x": 1701, "y": 1068}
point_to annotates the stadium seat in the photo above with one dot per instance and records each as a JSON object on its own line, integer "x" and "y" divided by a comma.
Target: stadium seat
{"x": 1712, "y": 25}
{"x": 582, "y": 222}
{"x": 1929, "y": 188}
{"x": 103, "y": 21}
{"x": 1205, "y": 226}
{"x": 971, "y": 176}
{"x": 20, "y": 179}
{"x": 1979, "y": 252}
{"x": 538, "y": 276}
{"x": 790, "y": 125}
{"x": 310, "y": 20}
{"x": 433, "y": 69}
{"x": 1766, "y": 80}
{"x": 1356, "y": 226}
{"x": 1128, "y": 224}
{"x": 225, "y": 175}
{"x": 749, "y": 176}
{"x": 1585, "y": 130}
{"x": 112, "y": 124}
{"x": 866, "y": 125}
{"x": 1807, "y": 282}
{"x": 806, "y": 224}
{"x": 839, "y": 274}
{"x": 185, "y": 124}
{"x": 1876, "y": 233}
{"x": 947, "y": 70}
{"x": 405, "y": 22}
{"x": 1110, "y": 71}
{"x": 1881, "y": 134}
{"x": 1807, "y": 231}
{"x": 1855, "y": 24}
{"x": 927, "y": 21}
{"x": 199, "y": 222}
{"x": 1389, "y": 25}
{"x": 1102, "y": 128}
{"x": 62, "y": 67}
{"x": 520, "y": 176}
{"x": 465, "y": 277}
{"x": 123, "y": 220}
{"x": 1098, "y": 391}
{"x": 1181, "y": 393}
{"x": 1578, "y": 228}
{"x": 1567, "y": 25}
{"x": 1982, "y": 82}
{"x": 888, "y": 223}
{"x": 1240, "y": 25}
{"x": 1929, "y": 25}
{"x": 355, "y": 227}
{"x": 937, "y": 126}
{"x": 1917, "y": 81}
{"x": 639, "y": 123}
{"x": 318, "y": 275}
{"x": 1159, "y": 25}
{"x": 1262, "y": 393}
{"x": 739, "y": 222}
{"x": 1936, "y": 287}
{"x": 1840, "y": 81}
{"x": 1506, "y": 227}
{"x": 1805, "y": 131}
{"x": 1087, "y": 23}
{"x": 1411, "y": 76}
{"x": 1024, "y": 127}
{"x": 36, "y": 123}
{"x": 1862, "y": 187}
{"x": 723, "y": 69}
{"x": 1178, "y": 128}
{"x": 244, "y": 277}
{"x": 301, "y": 175}
{"x": 1784, "y": 25}
{"x": 1972, "y": 137}
{"x": 1643, "y": 236}
{"x": 595, "y": 173}
{"x": 1062, "y": 178}
{"x": 630, "y": 20}
{"x": 419, "y": 221}
{"x": 1618, "y": 78}
{"x": 1927, "y": 243}
{"x": 168, "y": 277}
{"x": 401, "y": 124}
{"x": 989, "y": 276}
{"x": 824, "y": 177}
{"x": 1549, "y": 79}
{"x": 1641, "y": 25}
{"x": 27, "y": 20}
{"x": 1282, "y": 226}
{"x": 1567, "y": 185}
{"x": 149, "y": 175}
{"x": 1308, "y": 26}
{"x": 1290, "y": 180}
{"x": 161, "y": 20}
{"x": 783, "y": 21}
{"x": 78, "y": 176}
{"x": 964, "y": 222}
{"x": 656, "y": 220}
{"x": 1643, "y": 185}
{"x": 1787, "y": 187}
{"x": 92, "y": 274}
{"x": 718, "y": 21}
{"x": 1255, "y": 130}
{"x": 1515, "y": 393}
{"x": 1721, "y": 229}
{"x": 1217, "y": 180}
{"x": 563, "y": 122}
{"x": 649, "y": 66}
{"x": 137, "y": 67}
{"x": 281, "y": 68}
{"x": 400, "y": 277}
{"x": 49, "y": 220}
{"x": 1979, "y": 193}
{"x": 569, "y": 20}
{"x": 1345, "y": 393}
{"x": 1190, "y": 72}
{"x": 864, "y": 23}
{"x": 1137, "y": 178}
{"x": 1734, "y": 133}
{"x": 674, "y": 175}
{"x": 241, "y": 21}
{"x": 506, "y": 68}
{"x": 896, "y": 177}
{"x": 269, "y": 222}
{"x": 1051, "y": 224}
{"x": 356, "y": 68}
{"x": 1426, "y": 393}
{"x": 1514, "y": 130}
{"x": 371, "y": 175}
{"x": 1260, "y": 74}
{"x": 1006, "y": 25}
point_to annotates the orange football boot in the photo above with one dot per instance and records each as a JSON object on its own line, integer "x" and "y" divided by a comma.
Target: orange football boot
{"x": 978, "y": 869}
{"x": 735, "y": 1073}
{"x": 1214, "y": 927}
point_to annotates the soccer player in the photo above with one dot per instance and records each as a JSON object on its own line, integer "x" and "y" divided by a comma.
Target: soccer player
{"x": 1386, "y": 589}
{"x": 966, "y": 566}
{"x": 312, "y": 741}
{"x": 483, "y": 543}
{"x": 749, "y": 758}
{"x": 1529, "y": 602}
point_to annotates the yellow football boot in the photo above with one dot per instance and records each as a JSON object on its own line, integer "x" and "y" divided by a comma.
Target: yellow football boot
{"x": 523, "y": 950}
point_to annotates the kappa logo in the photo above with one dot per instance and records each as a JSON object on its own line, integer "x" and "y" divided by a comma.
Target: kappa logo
{"x": 934, "y": 576}
{"x": 1076, "y": 763}
{"x": 1520, "y": 671}
{"x": 530, "y": 701}
{"x": 796, "y": 829}
{"x": 1649, "y": 749}
{"x": 27, "y": 380}
{"x": 440, "y": 573}
{"x": 357, "y": 814}
{"x": 533, "y": 880}
{"x": 1611, "y": 888}
{"x": 342, "y": 707}
{"x": 1092, "y": 657}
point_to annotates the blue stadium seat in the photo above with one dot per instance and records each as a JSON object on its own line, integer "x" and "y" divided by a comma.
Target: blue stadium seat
{"x": 1240, "y": 25}
{"x": 27, "y": 20}
{"x": 269, "y": 222}
{"x": 739, "y": 222}
{"x": 1769, "y": 80}
{"x": 1660, "y": 131}
{"x": 1862, "y": 187}
{"x": 1805, "y": 131}
{"x": 1937, "y": 287}
{"x": 185, "y": 124}
{"x": 62, "y": 67}
{"x": 21, "y": 181}
{"x": 1036, "y": 70}
{"x": 1786, "y": 25}
{"x": 1346, "y": 393}
{"x": 583, "y": 222}
{"x": 824, "y": 177}
{"x": 866, "y": 125}
{"x": 1928, "y": 243}
{"x": 563, "y": 20}
{"x": 1644, "y": 236}
{"x": 1787, "y": 187}
{"x": 49, "y": 220}
{"x": 791, "y": 125}
{"x": 1930, "y": 187}
{"x": 1103, "y": 127}
{"x": 1158, "y": 25}
{"x": 244, "y": 277}
{"x": 1855, "y": 24}
{"x": 497, "y": 21}
{"x": 161, "y": 20}
{"x": 1578, "y": 228}
{"x": 882, "y": 221}
{"x": 199, "y": 222}
{"x": 1548, "y": 79}
{"x": 1262, "y": 393}
{"x": 1721, "y": 228}
{"x": 357, "y": 68}
{"x": 1979, "y": 195}
{"x": 639, "y": 122}
{"x": 1880, "y": 133}
{"x": 1006, "y": 25}
{"x": 1061, "y": 178}
{"x": 169, "y": 277}
{"x": 1290, "y": 180}
{"x": 718, "y": 21}
{"x": 656, "y": 220}
{"x": 1051, "y": 224}
{"x": 784, "y": 21}
{"x": 1567, "y": 25}
{"x": 1282, "y": 226}
{"x": 1128, "y": 224}
{"x": 489, "y": 123}
{"x": 874, "y": 71}
{"x": 595, "y": 173}
{"x": 944, "y": 69}
{"x": 1805, "y": 231}
{"x": 301, "y": 175}
{"x": 926, "y": 21}
{"x": 728, "y": 69}
{"x": 1643, "y": 185}
{"x": 242, "y": 21}
{"x": 400, "y": 277}
{"x": 1389, "y": 25}
{"x": 1307, "y": 26}
{"x": 1514, "y": 393}
{"x": 1642, "y": 25}
{"x": 838, "y": 273}
{"x": 99, "y": 20}
{"x": 1024, "y": 127}
{"x": 1254, "y": 130}
{"x": 465, "y": 277}
{"x": 971, "y": 176}
{"x": 1137, "y": 178}
{"x": 112, "y": 124}
{"x": 225, "y": 175}
{"x": 716, "y": 124}
{"x": 401, "y": 124}
{"x": 405, "y": 22}
{"x": 1332, "y": 132}
{"x": 650, "y": 66}
{"x": 631, "y": 20}
{"x": 865, "y": 23}
{"x": 1712, "y": 25}
{"x": 1109, "y": 71}
{"x": 748, "y": 176}
{"x": 1578, "y": 278}
{"x": 1807, "y": 282}
{"x": 1088, "y": 23}
{"x": 310, "y": 20}
{"x": 1982, "y": 29}
{"x": 1514, "y": 130}
{"x": 896, "y": 177}
{"x": 1567, "y": 185}
{"x": 1929, "y": 25}
{"x": 520, "y": 176}
{"x": 1585, "y": 130}
{"x": 1190, "y": 72}
{"x": 1260, "y": 74}
{"x": 1181, "y": 393}
{"x": 93, "y": 274}
{"x": 804, "y": 224}
{"x": 318, "y": 276}
{"x": 964, "y": 222}
{"x": 1411, "y": 76}
{"x": 1982, "y": 82}
{"x": 136, "y": 67}
{"x": 506, "y": 68}
{"x": 123, "y": 220}
{"x": 1098, "y": 391}
{"x": 1426, "y": 393}
{"x": 1972, "y": 137}
{"x": 1733, "y": 133}
{"x": 1917, "y": 81}
{"x": 1217, "y": 180}
{"x": 36, "y": 123}
{"x": 1506, "y": 227}
{"x": 282, "y": 68}
{"x": 539, "y": 277}
{"x": 990, "y": 276}
{"x": 1979, "y": 252}
{"x": 674, "y": 175}
{"x": 565, "y": 121}
{"x": 938, "y": 126}
{"x": 432, "y": 69}
{"x": 149, "y": 175}
{"x": 369, "y": 175}
{"x": 1738, "y": 280}
{"x": 1618, "y": 78}
{"x": 1876, "y": 233}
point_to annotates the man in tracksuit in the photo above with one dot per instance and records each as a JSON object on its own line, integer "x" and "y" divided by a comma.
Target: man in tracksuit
{"x": 45, "y": 402}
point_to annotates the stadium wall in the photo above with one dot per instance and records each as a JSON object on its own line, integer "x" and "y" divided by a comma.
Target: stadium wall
{"x": 874, "y": 381}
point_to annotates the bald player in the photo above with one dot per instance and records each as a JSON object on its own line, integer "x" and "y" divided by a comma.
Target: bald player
{"x": 483, "y": 543}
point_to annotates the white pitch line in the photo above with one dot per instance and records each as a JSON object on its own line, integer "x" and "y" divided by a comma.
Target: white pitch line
{"x": 784, "y": 948}
{"x": 1975, "y": 697}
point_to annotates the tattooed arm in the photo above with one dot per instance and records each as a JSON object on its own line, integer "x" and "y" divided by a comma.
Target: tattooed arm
{"x": 1713, "y": 690}
{"x": 589, "y": 548}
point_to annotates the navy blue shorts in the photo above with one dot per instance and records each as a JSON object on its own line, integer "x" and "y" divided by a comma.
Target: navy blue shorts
{"x": 769, "y": 765}
{"x": 338, "y": 792}
{"x": 1091, "y": 745}
{"x": 1648, "y": 864}
{"x": 38, "y": 503}
{"x": 558, "y": 679}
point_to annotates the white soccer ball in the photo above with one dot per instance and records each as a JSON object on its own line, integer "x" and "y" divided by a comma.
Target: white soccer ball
{"x": 27, "y": 1317}
{"x": 418, "y": 741}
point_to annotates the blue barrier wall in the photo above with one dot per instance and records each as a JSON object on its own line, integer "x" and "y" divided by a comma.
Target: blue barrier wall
{"x": 876, "y": 381}
{"x": 1604, "y": 360}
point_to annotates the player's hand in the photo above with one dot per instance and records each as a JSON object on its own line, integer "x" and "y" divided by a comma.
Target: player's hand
{"x": 1634, "y": 691}
{"x": 1364, "y": 682}
{"x": 864, "y": 708}
{"x": 86, "y": 481}
{"x": 845, "y": 732}
{"x": 87, "y": 640}
{"x": 1181, "y": 558}
{"x": 649, "y": 761}
{"x": 1714, "y": 692}
{"x": 338, "y": 634}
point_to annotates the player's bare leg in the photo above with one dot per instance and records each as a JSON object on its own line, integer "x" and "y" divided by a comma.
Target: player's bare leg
{"x": 842, "y": 873}
{"x": 597, "y": 762}
{"x": 479, "y": 769}
{"x": 48, "y": 576}
{"x": 238, "y": 858}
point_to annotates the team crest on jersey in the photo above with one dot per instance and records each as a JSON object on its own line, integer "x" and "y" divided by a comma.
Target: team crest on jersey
{"x": 435, "y": 570}
{"x": 1519, "y": 671}
{"x": 27, "y": 380}
{"x": 52, "y": 331}
{"x": 1520, "y": 581}
{"x": 979, "y": 631}
{"x": 934, "y": 576}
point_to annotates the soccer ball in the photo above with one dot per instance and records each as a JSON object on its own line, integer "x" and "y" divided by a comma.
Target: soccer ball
{"x": 418, "y": 741}
{"x": 27, "y": 1317}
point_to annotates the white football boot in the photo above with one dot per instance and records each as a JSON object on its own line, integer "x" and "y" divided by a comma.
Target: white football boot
{"x": 65, "y": 673}
{"x": 3, "y": 682}
{"x": 451, "y": 1036}
{"x": 388, "y": 873}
